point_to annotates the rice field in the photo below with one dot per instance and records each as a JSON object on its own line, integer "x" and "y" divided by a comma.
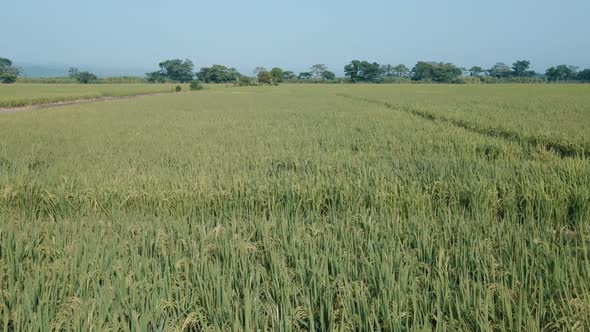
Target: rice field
{"x": 300, "y": 208}
{"x": 16, "y": 95}
{"x": 555, "y": 116}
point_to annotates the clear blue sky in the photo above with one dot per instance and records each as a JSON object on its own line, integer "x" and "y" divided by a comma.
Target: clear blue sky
{"x": 295, "y": 34}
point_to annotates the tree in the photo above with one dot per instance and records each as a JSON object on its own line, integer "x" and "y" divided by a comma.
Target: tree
{"x": 387, "y": 71}
{"x": 436, "y": 72}
{"x": 277, "y": 74}
{"x": 352, "y": 70}
{"x": 156, "y": 77}
{"x": 446, "y": 72}
{"x": 73, "y": 72}
{"x": 521, "y": 69}
{"x": 362, "y": 71}
{"x": 305, "y": 75}
{"x": 475, "y": 71}
{"x": 584, "y": 75}
{"x": 258, "y": 70}
{"x": 264, "y": 77}
{"x": 394, "y": 71}
{"x": 369, "y": 71}
{"x": 289, "y": 75}
{"x": 243, "y": 80}
{"x": 561, "y": 73}
{"x": 85, "y": 77}
{"x": 8, "y": 73}
{"x": 4, "y": 62}
{"x": 328, "y": 75}
{"x": 551, "y": 74}
{"x": 318, "y": 70}
{"x": 218, "y": 74}
{"x": 401, "y": 71}
{"x": 500, "y": 70}
{"x": 177, "y": 70}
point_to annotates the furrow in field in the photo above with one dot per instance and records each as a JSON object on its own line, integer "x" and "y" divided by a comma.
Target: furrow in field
{"x": 563, "y": 149}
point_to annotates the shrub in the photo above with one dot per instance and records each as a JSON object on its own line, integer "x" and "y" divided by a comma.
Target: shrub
{"x": 156, "y": 77}
{"x": 264, "y": 77}
{"x": 86, "y": 77}
{"x": 178, "y": 88}
{"x": 195, "y": 85}
{"x": 8, "y": 75}
{"x": 245, "y": 81}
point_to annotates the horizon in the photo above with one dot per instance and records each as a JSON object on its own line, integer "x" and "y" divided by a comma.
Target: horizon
{"x": 61, "y": 70}
{"x": 295, "y": 35}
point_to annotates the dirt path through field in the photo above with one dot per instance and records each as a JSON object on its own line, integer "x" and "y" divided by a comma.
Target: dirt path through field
{"x": 74, "y": 102}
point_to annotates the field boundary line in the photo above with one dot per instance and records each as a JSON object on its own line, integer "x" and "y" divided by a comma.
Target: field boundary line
{"x": 562, "y": 149}
{"x": 76, "y": 102}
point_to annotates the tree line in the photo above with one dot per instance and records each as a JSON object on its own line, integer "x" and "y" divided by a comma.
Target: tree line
{"x": 520, "y": 68}
{"x": 364, "y": 71}
{"x": 183, "y": 71}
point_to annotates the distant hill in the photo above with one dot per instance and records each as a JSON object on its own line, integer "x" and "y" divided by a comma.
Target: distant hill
{"x": 53, "y": 70}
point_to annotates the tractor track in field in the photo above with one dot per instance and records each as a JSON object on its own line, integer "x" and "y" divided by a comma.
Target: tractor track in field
{"x": 561, "y": 149}
{"x": 76, "y": 102}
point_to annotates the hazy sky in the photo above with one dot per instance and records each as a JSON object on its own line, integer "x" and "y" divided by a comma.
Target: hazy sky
{"x": 295, "y": 34}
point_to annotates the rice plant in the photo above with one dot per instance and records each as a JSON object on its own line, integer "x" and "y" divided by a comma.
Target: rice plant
{"x": 292, "y": 208}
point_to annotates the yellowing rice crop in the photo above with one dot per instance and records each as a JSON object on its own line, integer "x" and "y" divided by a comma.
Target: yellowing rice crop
{"x": 300, "y": 207}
